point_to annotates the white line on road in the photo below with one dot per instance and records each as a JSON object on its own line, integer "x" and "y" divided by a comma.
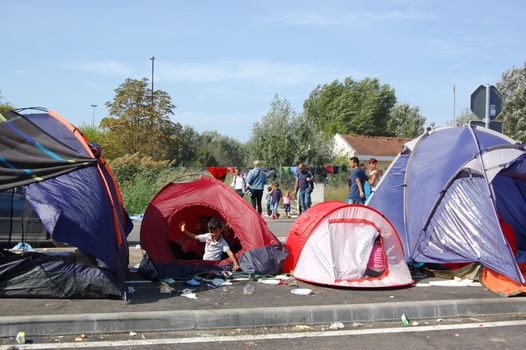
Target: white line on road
{"x": 260, "y": 337}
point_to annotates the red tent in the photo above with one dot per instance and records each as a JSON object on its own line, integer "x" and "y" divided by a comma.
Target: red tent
{"x": 331, "y": 244}
{"x": 249, "y": 237}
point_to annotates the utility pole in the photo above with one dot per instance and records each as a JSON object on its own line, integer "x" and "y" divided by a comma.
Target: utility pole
{"x": 153, "y": 61}
{"x": 93, "y": 118}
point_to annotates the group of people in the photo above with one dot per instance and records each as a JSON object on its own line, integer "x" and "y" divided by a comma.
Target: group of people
{"x": 254, "y": 184}
{"x": 361, "y": 186}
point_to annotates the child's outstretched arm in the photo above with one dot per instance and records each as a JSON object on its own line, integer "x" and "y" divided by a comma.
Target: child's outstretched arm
{"x": 232, "y": 256}
{"x": 191, "y": 235}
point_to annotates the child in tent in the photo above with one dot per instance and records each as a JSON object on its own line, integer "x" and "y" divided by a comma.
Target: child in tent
{"x": 286, "y": 203}
{"x": 215, "y": 244}
{"x": 274, "y": 200}
{"x": 376, "y": 264}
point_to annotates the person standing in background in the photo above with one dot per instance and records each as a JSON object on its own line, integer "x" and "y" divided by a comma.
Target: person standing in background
{"x": 373, "y": 177}
{"x": 256, "y": 180}
{"x": 356, "y": 182}
{"x": 239, "y": 182}
{"x": 304, "y": 184}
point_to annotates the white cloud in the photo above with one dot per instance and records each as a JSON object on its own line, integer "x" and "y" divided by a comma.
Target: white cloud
{"x": 101, "y": 67}
{"x": 345, "y": 19}
{"x": 23, "y": 71}
{"x": 251, "y": 71}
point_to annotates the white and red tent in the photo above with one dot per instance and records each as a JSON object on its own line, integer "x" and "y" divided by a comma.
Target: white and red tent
{"x": 331, "y": 243}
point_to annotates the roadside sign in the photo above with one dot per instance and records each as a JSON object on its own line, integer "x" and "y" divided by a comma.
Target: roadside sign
{"x": 493, "y": 124}
{"x": 479, "y": 102}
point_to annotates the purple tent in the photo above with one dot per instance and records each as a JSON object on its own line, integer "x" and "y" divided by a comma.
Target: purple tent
{"x": 443, "y": 193}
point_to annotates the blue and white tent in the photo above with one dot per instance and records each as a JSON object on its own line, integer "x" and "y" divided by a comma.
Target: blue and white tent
{"x": 445, "y": 190}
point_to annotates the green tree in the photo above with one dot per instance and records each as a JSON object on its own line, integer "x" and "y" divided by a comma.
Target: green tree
{"x": 406, "y": 121}
{"x": 94, "y": 134}
{"x": 360, "y": 107}
{"x": 513, "y": 89}
{"x": 140, "y": 122}
{"x": 284, "y": 137}
{"x": 465, "y": 117}
{"x": 4, "y": 105}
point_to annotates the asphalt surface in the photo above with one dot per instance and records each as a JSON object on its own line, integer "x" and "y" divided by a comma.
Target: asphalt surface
{"x": 147, "y": 309}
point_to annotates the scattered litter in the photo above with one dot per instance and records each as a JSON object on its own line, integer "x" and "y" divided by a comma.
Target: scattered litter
{"x": 143, "y": 337}
{"x": 439, "y": 320}
{"x": 422, "y": 284}
{"x": 211, "y": 285}
{"x": 284, "y": 277}
{"x": 456, "y": 335}
{"x": 166, "y": 289}
{"x": 415, "y": 323}
{"x": 271, "y": 282}
{"x": 131, "y": 290}
{"x": 132, "y": 334}
{"x": 248, "y": 289}
{"x": 26, "y": 247}
{"x": 138, "y": 247}
{"x": 81, "y": 338}
{"x": 241, "y": 279}
{"x": 218, "y": 282}
{"x": 227, "y": 274}
{"x": 21, "y": 338}
{"x": 301, "y": 291}
{"x": 336, "y": 325}
{"x": 192, "y": 282}
{"x": 168, "y": 280}
{"x": 302, "y": 327}
{"x": 404, "y": 319}
{"x": 391, "y": 296}
{"x": 197, "y": 278}
{"x": 476, "y": 319}
{"x": 189, "y": 293}
{"x": 455, "y": 283}
{"x": 357, "y": 324}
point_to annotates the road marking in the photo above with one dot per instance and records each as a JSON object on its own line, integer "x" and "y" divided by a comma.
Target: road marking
{"x": 261, "y": 337}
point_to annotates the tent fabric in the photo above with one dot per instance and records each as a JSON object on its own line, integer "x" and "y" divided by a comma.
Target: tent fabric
{"x": 444, "y": 192}
{"x": 205, "y": 198}
{"x": 503, "y": 285}
{"x": 331, "y": 244}
{"x": 81, "y": 206}
{"x": 64, "y": 275}
{"x": 28, "y": 154}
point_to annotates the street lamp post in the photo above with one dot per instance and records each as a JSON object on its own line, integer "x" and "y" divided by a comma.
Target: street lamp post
{"x": 153, "y": 61}
{"x": 93, "y": 120}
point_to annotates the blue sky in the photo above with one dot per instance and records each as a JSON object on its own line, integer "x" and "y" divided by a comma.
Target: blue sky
{"x": 223, "y": 61}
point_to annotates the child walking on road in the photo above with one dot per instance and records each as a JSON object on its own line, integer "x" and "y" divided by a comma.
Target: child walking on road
{"x": 286, "y": 203}
{"x": 275, "y": 197}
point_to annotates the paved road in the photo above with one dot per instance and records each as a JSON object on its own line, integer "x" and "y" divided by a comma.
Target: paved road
{"x": 496, "y": 332}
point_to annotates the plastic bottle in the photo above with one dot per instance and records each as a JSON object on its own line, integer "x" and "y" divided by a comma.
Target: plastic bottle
{"x": 404, "y": 319}
{"x": 248, "y": 290}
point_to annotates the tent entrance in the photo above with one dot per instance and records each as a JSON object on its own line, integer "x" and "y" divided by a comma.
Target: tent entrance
{"x": 351, "y": 243}
{"x": 196, "y": 218}
{"x": 18, "y": 221}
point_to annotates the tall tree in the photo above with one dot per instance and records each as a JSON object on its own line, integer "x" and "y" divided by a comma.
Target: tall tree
{"x": 406, "y": 121}
{"x": 360, "y": 107}
{"x": 139, "y": 121}
{"x": 513, "y": 89}
{"x": 284, "y": 137}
